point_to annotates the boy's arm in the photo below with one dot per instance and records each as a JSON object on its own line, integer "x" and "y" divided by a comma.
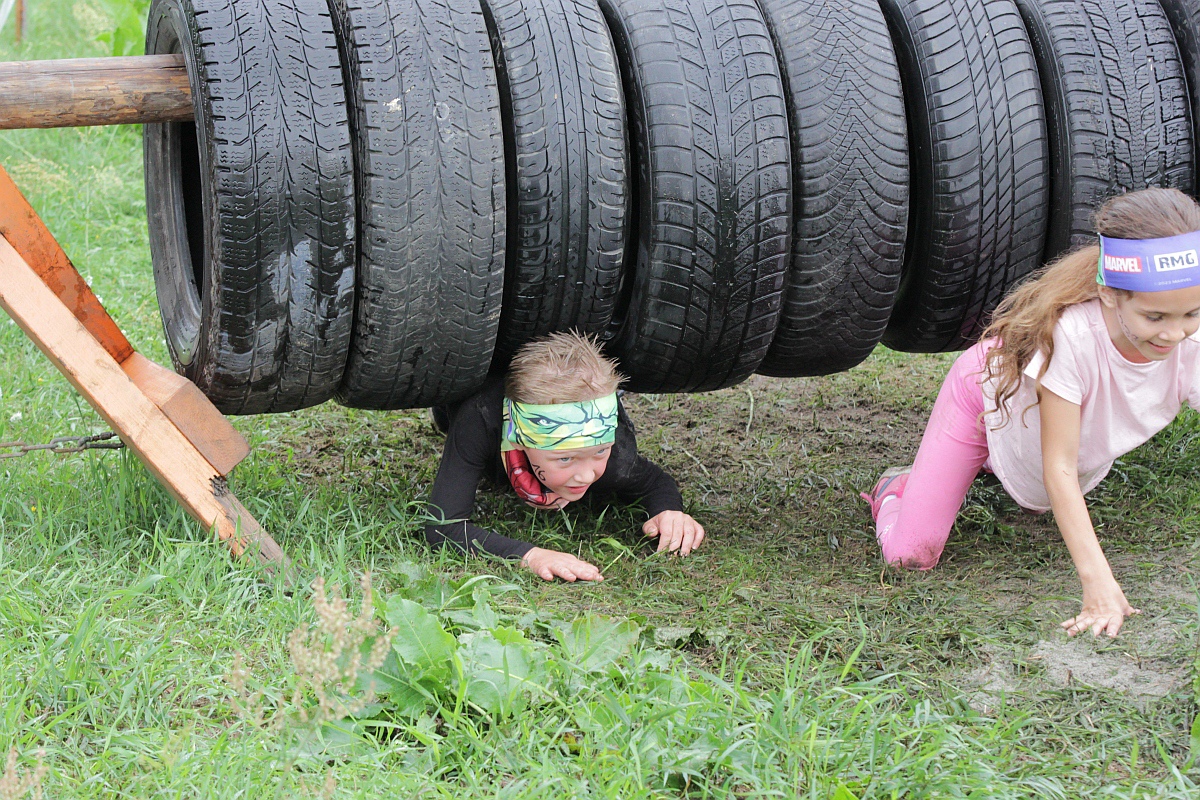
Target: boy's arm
{"x": 634, "y": 478}
{"x": 452, "y": 498}
{"x": 656, "y": 490}
{"x": 1104, "y": 604}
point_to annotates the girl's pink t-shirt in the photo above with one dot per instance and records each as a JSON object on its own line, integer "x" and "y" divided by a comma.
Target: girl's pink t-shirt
{"x": 1122, "y": 404}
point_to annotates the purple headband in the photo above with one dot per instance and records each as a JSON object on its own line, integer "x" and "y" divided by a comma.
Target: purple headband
{"x": 1150, "y": 265}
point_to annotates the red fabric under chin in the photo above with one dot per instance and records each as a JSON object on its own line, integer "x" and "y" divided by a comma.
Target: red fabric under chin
{"x": 525, "y": 483}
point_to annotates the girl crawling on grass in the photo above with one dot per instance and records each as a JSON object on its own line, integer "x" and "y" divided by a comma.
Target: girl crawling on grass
{"x": 556, "y": 429}
{"x": 1081, "y": 364}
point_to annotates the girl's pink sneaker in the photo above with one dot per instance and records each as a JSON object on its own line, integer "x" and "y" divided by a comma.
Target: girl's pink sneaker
{"x": 890, "y": 484}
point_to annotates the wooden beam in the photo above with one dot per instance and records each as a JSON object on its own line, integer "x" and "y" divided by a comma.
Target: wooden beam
{"x": 26, "y": 232}
{"x": 193, "y": 413}
{"x": 141, "y": 424}
{"x": 212, "y": 434}
{"x": 73, "y": 92}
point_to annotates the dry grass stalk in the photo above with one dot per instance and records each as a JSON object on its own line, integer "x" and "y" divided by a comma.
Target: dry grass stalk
{"x": 15, "y": 783}
{"x": 329, "y": 789}
{"x": 327, "y": 658}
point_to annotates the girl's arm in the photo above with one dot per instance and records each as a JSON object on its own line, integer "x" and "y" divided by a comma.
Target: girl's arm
{"x": 1104, "y": 604}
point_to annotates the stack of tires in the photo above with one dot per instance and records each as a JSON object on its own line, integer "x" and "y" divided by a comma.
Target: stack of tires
{"x": 379, "y": 201}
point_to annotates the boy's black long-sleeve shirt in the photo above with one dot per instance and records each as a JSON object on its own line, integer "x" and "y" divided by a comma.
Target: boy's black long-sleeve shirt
{"x": 473, "y": 450}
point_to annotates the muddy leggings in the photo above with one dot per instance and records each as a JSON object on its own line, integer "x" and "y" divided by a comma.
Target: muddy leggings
{"x": 913, "y": 526}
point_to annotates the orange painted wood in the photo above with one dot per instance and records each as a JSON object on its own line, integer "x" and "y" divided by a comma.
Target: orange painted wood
{"x": 26, "y": 232}
{"x": 141, "y": 424}
{"x": 183, "y": 403}
{"x": 70, "y": 92}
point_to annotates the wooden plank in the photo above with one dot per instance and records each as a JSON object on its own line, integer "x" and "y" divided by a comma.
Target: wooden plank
{"x": 26, "y": 232}
{"x": 194, "y": 414}
{"x": 142, "y": 425}
{"x": 71, "y": 92}
{"x": 198, "y": 419}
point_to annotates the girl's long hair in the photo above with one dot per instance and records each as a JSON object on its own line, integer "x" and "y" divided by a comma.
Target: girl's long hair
{"x": 1024, "y": 321}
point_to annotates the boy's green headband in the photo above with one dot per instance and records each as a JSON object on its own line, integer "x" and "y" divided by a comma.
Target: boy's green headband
{"x": 561, "y": 426}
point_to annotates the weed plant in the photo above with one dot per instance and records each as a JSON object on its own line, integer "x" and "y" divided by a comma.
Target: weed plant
{"x": 137, "y": 659}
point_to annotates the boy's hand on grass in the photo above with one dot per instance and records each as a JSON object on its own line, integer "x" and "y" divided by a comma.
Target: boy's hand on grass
{"x": 551, "y": 564}
{"x": 1104, "y": 609}
{"x": 676, "y": 531}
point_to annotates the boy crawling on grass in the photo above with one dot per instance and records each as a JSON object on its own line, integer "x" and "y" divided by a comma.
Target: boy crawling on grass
{"x": 556, "y": 429}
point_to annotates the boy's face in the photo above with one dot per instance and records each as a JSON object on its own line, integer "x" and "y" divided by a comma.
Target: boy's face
{"x": 569, "y": 473}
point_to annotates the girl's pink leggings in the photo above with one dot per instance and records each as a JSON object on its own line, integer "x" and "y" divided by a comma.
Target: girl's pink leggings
{"x": 912, "y": 528}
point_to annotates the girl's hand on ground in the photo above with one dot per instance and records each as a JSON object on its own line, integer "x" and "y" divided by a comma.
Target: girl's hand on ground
{"x": 676, "y": 531}
{"x": 551, "y": 564}
{"x": 1104, "y": 609}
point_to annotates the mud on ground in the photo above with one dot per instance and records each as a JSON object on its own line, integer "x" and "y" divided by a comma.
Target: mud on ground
{"x": 773, "y": 469}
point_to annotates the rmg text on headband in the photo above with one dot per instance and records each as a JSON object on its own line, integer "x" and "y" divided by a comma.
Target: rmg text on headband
{"x": 1150, "y": 265}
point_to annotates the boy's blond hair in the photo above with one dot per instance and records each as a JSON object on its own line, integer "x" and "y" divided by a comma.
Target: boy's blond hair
{"x": 560, "y": 368}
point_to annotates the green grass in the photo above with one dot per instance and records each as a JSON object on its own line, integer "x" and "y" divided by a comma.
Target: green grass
{"x": 779, "y": 661}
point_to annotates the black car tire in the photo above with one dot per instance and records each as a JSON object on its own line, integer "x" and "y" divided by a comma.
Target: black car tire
{"x": 850, "y": 183}
{"x": 978, "y": 155}
{"x": 1129, "y": 130}
{"x": 251, "y": 207}
{"x": 429, "y": 162}
{"x": 1185, "y": 21}
{"x": 567, "y": 167}
{"x": 708, "y": 127}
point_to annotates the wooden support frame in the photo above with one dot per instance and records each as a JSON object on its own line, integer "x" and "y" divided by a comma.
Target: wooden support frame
{"x": 178, "y": 434}
{"x": 205, "y": 427}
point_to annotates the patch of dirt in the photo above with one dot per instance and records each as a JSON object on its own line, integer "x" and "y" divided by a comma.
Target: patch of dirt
{"x": 1070, "y": 661}
{"x": 799, "y": 419}
{"x": 1139, "y": 670}
{"x": 991, "y": 679}
{"x": 1173, "y": 590}
{"x": 1012, "y": 602}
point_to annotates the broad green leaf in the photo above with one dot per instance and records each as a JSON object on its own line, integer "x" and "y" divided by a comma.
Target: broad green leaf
{"x": 592, "y": 642}
{"x": 481, "y": 616}
{"x": 1195, "y": 738}
{"x": 440, "y": 595}
{"x": 502, "y": 668}
{"x": 405, "y": 694}
{"x": 434, "y": 592}
{"x": 843, "y": 793}
{"x": 673, "y": 635}
{"x": 335, "y": 738}
{"x": 411, "y": 573}
{"x": 715, "y": 636}
{"x": 484, "y": 615}
{"x": 420, "y": 641}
